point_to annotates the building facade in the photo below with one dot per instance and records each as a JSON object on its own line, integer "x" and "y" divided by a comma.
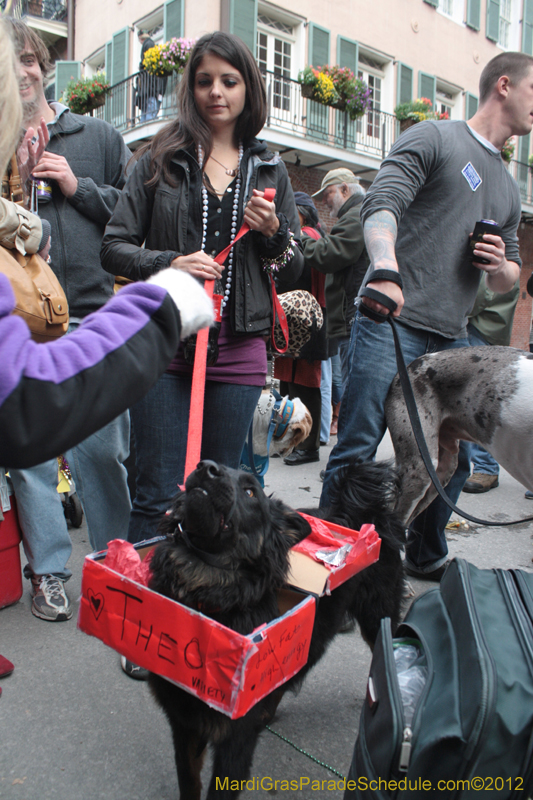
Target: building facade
{"x": 403, "y": 49}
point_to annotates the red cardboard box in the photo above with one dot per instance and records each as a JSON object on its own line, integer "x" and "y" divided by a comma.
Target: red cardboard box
{"x": 227, "y": 670}
{"x": 10, "y": 568}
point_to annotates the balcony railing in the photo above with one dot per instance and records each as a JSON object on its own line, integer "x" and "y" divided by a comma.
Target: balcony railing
{"x": 372, "y": 134}
{"x": 288, "y": 112}
{"x": 139, "y": 99}
{"x": 45, "y": 9}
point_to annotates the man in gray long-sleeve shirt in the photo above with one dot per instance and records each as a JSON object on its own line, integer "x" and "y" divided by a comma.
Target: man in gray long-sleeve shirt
{"x": 438, "y": 180}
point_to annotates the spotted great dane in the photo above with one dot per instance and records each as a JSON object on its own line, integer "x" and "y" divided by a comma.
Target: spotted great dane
{"x": 479, "y": 394}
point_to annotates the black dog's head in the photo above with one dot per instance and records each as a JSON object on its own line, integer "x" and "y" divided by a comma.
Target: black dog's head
{"x": 227, "y": 542}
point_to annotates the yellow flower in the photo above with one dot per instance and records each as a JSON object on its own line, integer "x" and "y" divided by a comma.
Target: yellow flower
{"x": 325, "y": 89}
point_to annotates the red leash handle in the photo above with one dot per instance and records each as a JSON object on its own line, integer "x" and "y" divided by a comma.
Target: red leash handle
{"x": 280, "y": 314}
{"x": 196, "y": 411}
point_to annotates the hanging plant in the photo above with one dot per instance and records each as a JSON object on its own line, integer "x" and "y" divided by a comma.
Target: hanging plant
{"x": 168, "y": 57}
{"x": 338, "y": 87}
{"x": 85, "y": 94}
{"x": 508, "y": 150}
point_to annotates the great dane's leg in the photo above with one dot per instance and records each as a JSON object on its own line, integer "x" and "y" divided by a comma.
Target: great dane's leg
{"x": 415, "y": 482}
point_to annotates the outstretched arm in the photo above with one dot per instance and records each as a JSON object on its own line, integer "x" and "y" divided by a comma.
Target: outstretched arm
{"x": 380, "y": 238}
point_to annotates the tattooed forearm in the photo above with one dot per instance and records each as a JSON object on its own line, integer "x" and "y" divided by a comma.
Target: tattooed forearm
{"x": 380, "y": 238}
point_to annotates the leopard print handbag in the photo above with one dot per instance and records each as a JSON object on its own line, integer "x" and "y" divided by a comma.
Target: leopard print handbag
{"x": 304, "y": 316}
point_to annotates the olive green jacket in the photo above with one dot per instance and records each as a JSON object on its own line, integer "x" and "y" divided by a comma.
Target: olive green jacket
{"x": 342, "y": 256}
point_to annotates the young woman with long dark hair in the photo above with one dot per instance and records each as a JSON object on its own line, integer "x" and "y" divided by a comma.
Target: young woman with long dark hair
{"x": 191, "y": 189}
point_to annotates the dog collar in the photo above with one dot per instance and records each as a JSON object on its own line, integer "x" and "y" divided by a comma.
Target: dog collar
{"x": 282, "y": 418}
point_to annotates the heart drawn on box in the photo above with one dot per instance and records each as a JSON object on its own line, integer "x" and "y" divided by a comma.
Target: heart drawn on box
{"x": 96, "y": 602}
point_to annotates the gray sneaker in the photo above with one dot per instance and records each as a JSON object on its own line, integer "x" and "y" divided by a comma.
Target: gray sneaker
{"x": 50, "y": 601}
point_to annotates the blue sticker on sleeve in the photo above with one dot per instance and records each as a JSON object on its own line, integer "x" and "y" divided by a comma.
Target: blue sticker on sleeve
{"x": 473, "y": 179}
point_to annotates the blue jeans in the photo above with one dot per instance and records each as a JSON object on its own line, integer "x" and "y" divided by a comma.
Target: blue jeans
{"x": 362, "y": 414}
{"x": 336, "y": 379}
{"x": 160, "y": 428}
{"x": 151, "y": 110}
{"x": 482, "y": 461}
{"x": 325, "y": 391}
{"x": 345, "y": 356}
{"x": 101, "y": 485}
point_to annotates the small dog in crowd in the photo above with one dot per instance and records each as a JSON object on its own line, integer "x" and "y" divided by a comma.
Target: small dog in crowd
{"x": 294, "y": 427}
{"x": 478, "y": 394}
{"x": 226, "y": 553}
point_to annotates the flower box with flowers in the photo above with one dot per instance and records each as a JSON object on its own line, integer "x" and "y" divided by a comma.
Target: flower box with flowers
{"x": 168, "y": 57}
{"x": 337, "y": 87}
{"x": 85, "y": 94}
{"x": 508, "y": 150}
{"x": 416, "y": 111}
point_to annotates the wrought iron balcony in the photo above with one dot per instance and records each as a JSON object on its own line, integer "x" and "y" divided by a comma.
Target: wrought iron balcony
{"x": 372, "y": 134}
{"x": 288, "y": 112}
{"x": 44, "y": 9}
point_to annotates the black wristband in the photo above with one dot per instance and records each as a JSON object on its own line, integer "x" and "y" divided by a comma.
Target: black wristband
{"x": 386, "y": 275}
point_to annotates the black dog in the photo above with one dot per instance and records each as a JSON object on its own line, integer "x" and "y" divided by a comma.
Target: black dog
{"x": 226, "y": 554}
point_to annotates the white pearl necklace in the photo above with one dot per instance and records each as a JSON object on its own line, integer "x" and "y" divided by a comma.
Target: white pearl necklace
{"x": 234, "y": 215}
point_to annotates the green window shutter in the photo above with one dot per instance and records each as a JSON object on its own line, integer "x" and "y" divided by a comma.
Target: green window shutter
{"x": 120, "y": 56}
{"x": 527, "y": 28}
{"x": 427, "y": 86}
{"x": 108, "y": 71}
{"x": 434, "y": 3}
{"x": 173, "y": 13}
{"x": 471, "y": 104}
{"x": 348, "y": 53}
{"x": 65, "y": 72}
{"x": 240, "y": 17}
{"x": 318, "y": 45}
{"x": 493, "y": 20}
{"x": 522, "y": 152}
{"x": 473, "y": 14}
{"x": 522, "y": 169}
{"x": 404, "y": 88}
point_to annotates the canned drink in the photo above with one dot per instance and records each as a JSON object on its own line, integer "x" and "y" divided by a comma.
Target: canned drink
{"x": 42, "y": 189}
{"x": 482, "y": 227}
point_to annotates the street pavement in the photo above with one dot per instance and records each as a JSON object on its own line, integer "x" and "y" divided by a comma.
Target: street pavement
{"x": 73, "y": 726}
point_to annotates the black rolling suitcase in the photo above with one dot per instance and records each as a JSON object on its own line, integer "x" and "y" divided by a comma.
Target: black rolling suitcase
{"x": 449, "y": 707}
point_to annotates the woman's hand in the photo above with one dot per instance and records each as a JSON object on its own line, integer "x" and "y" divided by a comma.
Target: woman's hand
{"x": 260, "y": 215}
{"x": 199, "y": 265}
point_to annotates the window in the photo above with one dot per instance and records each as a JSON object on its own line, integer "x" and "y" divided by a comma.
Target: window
{"x": 277, "y": 54}
{"x": 95, "y": 62}
{"x": 274, "y": 54}
{"x": 454, "y": 9}
{"x": 447, "y": 99}
{"x": 154, "y": 25}
{"x": 372, "y": 119}
{"x": 505, "y": 23}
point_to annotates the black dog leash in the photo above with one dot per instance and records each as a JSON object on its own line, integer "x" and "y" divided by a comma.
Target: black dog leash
{"x": 410, "y": 402}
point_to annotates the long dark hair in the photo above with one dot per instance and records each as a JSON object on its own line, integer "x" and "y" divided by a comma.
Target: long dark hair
{"x": 189, "y": 129}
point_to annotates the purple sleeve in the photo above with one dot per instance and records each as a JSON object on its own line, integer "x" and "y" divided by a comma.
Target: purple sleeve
{"x": 56, "y": 394}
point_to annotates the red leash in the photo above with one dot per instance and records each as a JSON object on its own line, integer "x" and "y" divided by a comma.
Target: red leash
{"x": 196, "y": 412}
